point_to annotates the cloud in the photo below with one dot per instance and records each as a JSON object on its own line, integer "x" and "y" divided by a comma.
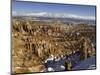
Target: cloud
{"x": 53, "y": 15}
{"x": 36, "y": 14}
{"x": 14, "y": 12}
{"x": 81, "y": 17}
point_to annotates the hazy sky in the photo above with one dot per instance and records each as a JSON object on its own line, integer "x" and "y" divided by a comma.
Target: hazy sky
{"x": 81, "y": 10}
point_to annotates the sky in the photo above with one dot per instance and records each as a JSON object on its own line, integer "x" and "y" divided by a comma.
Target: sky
{"x": 36, "y": 8}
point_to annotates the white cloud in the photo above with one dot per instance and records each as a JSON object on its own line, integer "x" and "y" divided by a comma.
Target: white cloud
{"x": 14, "y": 12}
{"x": 36, "y": 14}
{"x": 54, "y": 15}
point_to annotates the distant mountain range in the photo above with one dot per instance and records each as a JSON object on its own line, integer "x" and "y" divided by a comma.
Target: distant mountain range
{"x": 59, "y": 16}
{"x": 52, "y": 15}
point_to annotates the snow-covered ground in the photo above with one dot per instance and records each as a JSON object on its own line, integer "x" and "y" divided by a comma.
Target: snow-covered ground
{"x": 89, "y": 64}
{"x": 59, "y": 63}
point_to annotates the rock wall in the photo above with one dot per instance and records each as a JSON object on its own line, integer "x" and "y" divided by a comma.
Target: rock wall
{"x": 35, "y": 41}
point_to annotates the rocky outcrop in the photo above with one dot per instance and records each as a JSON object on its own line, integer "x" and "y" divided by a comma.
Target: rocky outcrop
{"x": 33, "y": 42}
